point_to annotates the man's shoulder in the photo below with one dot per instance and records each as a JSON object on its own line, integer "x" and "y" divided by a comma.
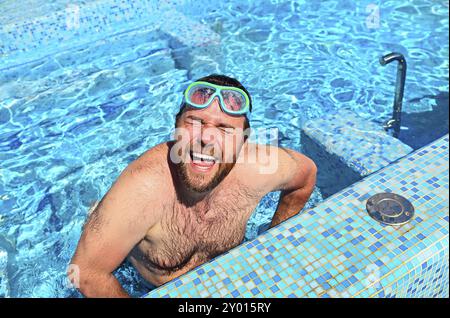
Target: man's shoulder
{"x": 151, "y": 162}
{"x": 256, "y": 165}
{"x": 259, "y": 158}
{"x": 263, "y": 154}
{"x": 264, "y": 165}
{"x": 149, "y": 172}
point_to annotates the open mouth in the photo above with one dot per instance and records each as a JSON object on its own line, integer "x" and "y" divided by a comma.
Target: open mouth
{"x": 202, "y": 162}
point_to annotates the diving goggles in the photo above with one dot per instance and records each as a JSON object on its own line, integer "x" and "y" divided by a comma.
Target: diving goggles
{"x": 232, "y": 100}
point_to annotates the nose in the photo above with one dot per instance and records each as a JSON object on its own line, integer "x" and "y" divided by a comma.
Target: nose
{"x": 208, "y": 136}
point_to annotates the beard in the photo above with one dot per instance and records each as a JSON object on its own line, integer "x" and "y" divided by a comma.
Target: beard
{"x": 200, "y": 184}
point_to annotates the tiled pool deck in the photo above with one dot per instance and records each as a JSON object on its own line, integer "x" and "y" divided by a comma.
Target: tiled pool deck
{"x": 337, "y": 250}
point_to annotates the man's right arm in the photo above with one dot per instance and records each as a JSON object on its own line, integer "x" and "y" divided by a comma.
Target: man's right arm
{"x": 116, "y": 225}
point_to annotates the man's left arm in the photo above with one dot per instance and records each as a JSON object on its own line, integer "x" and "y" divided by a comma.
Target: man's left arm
{"x": 296, "y": 178}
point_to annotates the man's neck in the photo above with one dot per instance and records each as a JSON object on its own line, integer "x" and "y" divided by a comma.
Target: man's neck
{"x": 189, "y": 197}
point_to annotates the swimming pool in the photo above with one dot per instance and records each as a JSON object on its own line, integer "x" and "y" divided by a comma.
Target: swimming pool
{"x": 73, "y": 115}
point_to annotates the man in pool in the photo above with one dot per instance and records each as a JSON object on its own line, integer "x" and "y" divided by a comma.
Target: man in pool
{"x": 185, "y": 201}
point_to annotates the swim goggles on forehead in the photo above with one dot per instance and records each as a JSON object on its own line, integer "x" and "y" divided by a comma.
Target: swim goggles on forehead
{"x": 232, "y": 100}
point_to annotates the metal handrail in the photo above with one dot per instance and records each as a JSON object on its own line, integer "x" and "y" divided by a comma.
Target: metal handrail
{"x": 394, "y": 122}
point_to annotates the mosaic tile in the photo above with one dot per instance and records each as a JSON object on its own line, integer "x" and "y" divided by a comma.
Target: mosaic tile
{"x": 78, "y": 24}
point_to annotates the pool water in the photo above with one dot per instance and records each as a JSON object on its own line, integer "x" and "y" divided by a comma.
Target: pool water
{"x": 72, "y": 121}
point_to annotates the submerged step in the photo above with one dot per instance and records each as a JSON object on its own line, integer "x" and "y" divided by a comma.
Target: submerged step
{"x": 196, "y": 47}
{"x": 347, "y": 147}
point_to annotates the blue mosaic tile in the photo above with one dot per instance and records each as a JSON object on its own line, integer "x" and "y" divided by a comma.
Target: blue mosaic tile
{"x": 80, "y": 23}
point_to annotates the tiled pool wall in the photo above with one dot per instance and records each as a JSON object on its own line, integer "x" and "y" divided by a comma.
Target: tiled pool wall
{"x": 332, "y": 250}
{"x": 337, "y": 250}
{"x": 79, "y": 23}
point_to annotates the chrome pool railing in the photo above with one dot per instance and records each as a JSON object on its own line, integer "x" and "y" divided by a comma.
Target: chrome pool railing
{"x": 394, "y": 122}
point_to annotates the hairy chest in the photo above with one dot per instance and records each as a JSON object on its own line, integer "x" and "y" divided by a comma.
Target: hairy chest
{"x": 189, "y": 237}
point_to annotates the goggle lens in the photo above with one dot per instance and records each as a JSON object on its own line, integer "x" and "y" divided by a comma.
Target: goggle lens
{"x": 234, "y": 101}
{"x": 201, "y": 94}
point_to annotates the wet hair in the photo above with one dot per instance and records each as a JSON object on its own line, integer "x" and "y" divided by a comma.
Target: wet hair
{"x": 222, "y": 80}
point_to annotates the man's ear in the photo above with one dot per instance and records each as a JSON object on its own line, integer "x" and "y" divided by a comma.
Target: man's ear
{"x": 247, "y": 130}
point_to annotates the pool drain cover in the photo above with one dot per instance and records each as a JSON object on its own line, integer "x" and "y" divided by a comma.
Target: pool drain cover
{"x": 390, "y": 208}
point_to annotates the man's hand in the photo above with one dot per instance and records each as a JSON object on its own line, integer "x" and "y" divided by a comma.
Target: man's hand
{"x": 113, "y": 229}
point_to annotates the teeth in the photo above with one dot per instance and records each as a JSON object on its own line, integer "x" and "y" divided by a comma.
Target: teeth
{"x": 200, "y": 156}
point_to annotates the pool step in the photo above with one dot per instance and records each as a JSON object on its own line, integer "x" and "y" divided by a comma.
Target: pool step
{"x": 347, "y": 147}
{"x": 69, "y": 68}
{"x": 198, "y": 52}
{"x": 129, "y": 71}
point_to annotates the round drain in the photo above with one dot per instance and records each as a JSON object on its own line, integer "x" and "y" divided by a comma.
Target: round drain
{"x": 390, "y": 208}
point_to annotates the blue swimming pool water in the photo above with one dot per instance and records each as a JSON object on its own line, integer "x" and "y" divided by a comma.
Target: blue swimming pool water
{"x": 70, "y": 122}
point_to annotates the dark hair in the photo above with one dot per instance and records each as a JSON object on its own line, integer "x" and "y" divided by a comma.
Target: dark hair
{"x": 222, "y": 80}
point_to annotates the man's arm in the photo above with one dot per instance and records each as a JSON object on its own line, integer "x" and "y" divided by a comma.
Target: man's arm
{"x": 292, "y": 173}
{"x": 113, "y": 229}
{"x": 296, "y": 178}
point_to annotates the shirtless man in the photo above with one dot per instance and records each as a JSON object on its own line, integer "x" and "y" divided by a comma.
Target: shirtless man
{"x": 183, "y": 202}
